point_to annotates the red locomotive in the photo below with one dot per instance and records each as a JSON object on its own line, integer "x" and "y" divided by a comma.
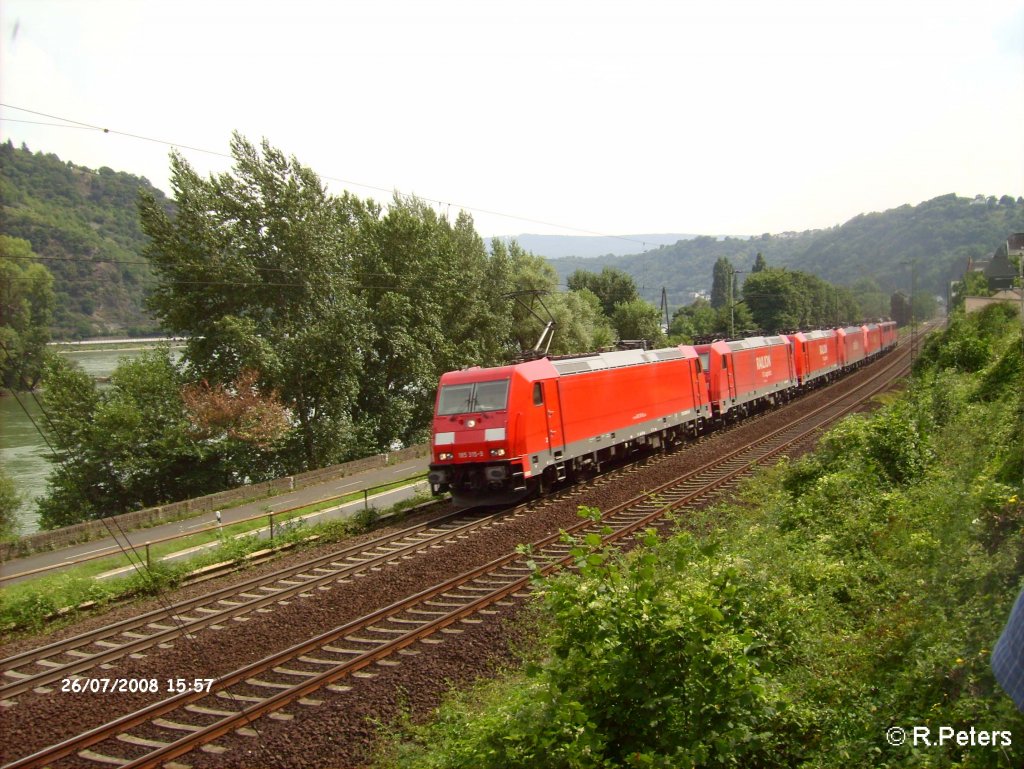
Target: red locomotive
{"x": 500, "y": 434}
{"x": 745, "y": 372}
{"x": 852, "y": 345}
{"x": 816, "y": 355}
{"x": 889, "y": 334}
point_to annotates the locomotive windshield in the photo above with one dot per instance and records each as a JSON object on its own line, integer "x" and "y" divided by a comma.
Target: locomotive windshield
{"x": 472, "y": 397}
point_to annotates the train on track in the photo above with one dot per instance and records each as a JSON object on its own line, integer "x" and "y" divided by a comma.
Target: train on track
{"x": 501, "y": 434}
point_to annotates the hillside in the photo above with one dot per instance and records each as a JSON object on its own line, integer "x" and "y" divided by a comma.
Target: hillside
{"x": 84, "y": 225}
{"x": 938, "y": 236}
{"x": 685, "y": 267}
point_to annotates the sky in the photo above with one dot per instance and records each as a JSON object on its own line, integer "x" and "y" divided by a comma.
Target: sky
{"x": 566, "y": 117}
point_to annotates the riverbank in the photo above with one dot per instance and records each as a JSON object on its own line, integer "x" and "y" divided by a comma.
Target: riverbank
{"x": 23, "y": 450}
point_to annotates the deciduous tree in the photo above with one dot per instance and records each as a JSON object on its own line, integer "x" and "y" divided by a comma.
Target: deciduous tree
{"x": 256, "y": 269}
{"x": 26, "y": 310}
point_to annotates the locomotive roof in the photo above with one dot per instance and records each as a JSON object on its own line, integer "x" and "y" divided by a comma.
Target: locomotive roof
{"x": 755, "y": 342}
{"x": 810, "y": 336}
{"x": 618, "y": 359}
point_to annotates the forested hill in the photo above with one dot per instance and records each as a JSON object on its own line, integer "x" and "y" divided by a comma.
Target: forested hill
{"x": 85, "y": 225}
{"x": 937, "y": 236}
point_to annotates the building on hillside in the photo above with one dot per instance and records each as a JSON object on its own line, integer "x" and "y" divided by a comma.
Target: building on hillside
{"x": 1000, "y": 272}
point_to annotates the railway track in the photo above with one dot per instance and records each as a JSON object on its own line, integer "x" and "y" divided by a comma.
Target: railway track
{"x": 38, "y": 667}
{"x": 34, "y": 670}
{"x": 333, "y": 663}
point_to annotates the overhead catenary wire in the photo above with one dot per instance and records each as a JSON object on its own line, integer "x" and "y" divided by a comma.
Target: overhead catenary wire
{"x": 71, "y": 123}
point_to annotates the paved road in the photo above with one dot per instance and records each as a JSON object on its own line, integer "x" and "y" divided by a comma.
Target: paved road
{"x": 367, "y": 479}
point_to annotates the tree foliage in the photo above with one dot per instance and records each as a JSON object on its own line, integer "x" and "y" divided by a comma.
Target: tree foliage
{"x": 639, "y": 319}
{"x": 611, "y": 286}
{"x": 256, "y": 269}
{"x": 723, "y": 283}
{"x": 10, "y": 501}
{"x": 148, "y": 438}
{"x": 437, "y": 299}
{"x": 580, "y": 323}
{"x": 784, "y": 300}
{"x": 26, "y": 310}
{"x": 85, "y": 222}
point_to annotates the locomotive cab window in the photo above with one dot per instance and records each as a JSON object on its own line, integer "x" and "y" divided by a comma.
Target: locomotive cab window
{"x": 473, "y": 397}
{"x": 538, "y": 395}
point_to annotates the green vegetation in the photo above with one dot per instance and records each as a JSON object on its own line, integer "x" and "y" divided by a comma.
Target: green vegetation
{"x": 26, "y": 309}
{"x": 149, "y": 438}
{"x": 855, "y": 590}
{"x": 32, "y": 605}
{"x": 10, "y": 500}
{"x": 772, "y": 300}
{"x": 84, "y": 225}
{"x": 785, "y": 300}
{"x": 317, "y": 329}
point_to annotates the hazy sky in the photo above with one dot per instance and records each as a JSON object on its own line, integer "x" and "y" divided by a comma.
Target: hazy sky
{"x": 724, "y": 117}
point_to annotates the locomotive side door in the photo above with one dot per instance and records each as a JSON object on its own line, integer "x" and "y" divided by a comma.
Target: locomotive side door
{"x": 730, "y": 375}
{"x": 553, "y": 414}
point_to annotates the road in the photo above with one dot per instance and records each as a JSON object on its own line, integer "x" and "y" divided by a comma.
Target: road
{"x": 356, "y": 482}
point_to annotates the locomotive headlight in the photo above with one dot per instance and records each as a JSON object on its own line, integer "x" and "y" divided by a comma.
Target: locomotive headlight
{"x": 497, "y": 452}
{"x": 445, "y": 455}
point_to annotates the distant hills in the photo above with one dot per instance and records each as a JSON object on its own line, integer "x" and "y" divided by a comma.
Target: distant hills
{"x": 932, "y": 240}
{"x": 588, "y": 246}
{"x": 85, "y": 224}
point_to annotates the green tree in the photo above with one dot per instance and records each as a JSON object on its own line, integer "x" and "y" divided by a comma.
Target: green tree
{"x": 693, "y": 322}
{"x": 580, "y": 324}
{"x": 438, "y": 305}
{"x": 256, "y": 268}
{"x": 611, "y": 286}
{"x": 86, "y": 222}
{"x": 137, "y": 443}
{"x": 26, "y": 311}
{"x": 899, "y": 308}
{"x": 721, "y": 276}
{"x": 10, "y": 501}
{"x": 925, "y": 305}
{"x": 972, "y": 284}
{"x": 870, "y": 297}
{"x": 782, "y": 300}
{"x": 759, "y": 263}
{"x": 639, "y": 319}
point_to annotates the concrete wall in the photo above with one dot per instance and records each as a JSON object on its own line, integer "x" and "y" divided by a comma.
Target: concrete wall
{"x": 89, "y": 530}
{"x": 975, "y": 303}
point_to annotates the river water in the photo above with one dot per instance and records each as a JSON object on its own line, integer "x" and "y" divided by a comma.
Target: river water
{"x": 23, "y": 450}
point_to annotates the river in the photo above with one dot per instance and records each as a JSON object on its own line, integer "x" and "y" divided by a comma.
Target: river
{"x": 23, "y": 450}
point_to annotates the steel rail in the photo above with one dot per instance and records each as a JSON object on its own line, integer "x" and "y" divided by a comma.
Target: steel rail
{"x": 172, "y": 614}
